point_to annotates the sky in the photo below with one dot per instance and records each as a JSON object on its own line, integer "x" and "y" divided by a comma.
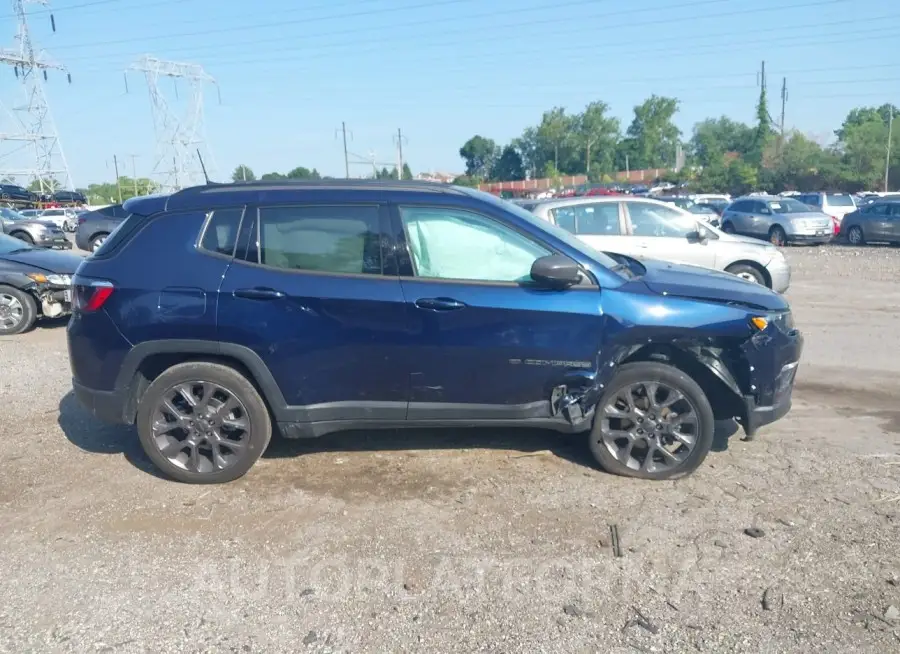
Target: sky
{"x": 289, "y": 72}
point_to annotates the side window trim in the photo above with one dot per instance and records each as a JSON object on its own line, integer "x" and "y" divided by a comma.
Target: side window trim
{"x": 210, "y": 216}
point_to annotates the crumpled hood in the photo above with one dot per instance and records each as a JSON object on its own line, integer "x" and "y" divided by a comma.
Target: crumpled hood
{"x": 51, "y": 261}
{"x": 682, "y": 280}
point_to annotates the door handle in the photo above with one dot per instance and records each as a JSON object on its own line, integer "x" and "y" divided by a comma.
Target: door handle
{"x": 439, "y": 303}
{"x": 259, "y": 293}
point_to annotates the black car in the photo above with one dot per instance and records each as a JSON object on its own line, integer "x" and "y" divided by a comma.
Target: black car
{"x": 69, "y": 197}
{"x": 34, "y": 283}
{"x": 15, "y": 193}
{"x": 95, "y": 226}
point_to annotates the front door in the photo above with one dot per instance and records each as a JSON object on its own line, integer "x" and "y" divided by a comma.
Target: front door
{"x": 308, "y": 295}
{"x": 667, "y": 234}
{"x": 485, "y": 343}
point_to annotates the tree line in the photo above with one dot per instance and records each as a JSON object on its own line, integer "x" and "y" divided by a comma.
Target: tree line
{"x": 245, "y": 174}
{"x": 721, "y": 155}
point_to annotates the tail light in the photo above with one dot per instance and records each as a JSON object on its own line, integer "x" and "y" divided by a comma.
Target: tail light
{"x": 90, "y": 294}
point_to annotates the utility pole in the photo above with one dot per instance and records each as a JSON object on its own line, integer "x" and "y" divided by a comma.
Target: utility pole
{"x": 343, "y": 131}
{"x": 887, "y": 161}
{"x": 118, "y": 184}
{"x": 31, "y": 129}
{"x": 400, "y": 138}
{"x": 134, "y": 172}
{"x": 784, "y": 97}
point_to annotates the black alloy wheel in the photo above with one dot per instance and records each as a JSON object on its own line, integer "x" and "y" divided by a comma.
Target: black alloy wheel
{"x": 203, "y": 423}
{"x": 653, "y": 422}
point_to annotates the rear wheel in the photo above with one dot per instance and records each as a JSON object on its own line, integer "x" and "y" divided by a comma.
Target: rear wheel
{"x": 728, "y": 228}
{"x": 747, "y": 272}
{"x": 203, "y": 423}
{"x": 97, "y": 241}
{"x": 18, "y": 311}
{"x": 653, "y": 422}
{"x": 855, "y": 235}
{"x": 777, "y": 236}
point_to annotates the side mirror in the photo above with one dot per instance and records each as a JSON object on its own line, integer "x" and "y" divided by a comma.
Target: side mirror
{"x": 555, "y": 271}
{"x": 696, "y": 236}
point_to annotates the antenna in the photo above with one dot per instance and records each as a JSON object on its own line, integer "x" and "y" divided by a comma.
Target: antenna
{"x": 179, "y": 134}
{"x": 31, "y": 130}
{"x": 202, "y": 166}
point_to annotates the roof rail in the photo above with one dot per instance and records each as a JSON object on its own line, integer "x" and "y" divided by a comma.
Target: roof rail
{"x": 287, "y": 184}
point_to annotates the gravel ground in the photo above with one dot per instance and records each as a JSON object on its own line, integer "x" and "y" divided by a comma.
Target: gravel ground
{"x": 495, "y": 541}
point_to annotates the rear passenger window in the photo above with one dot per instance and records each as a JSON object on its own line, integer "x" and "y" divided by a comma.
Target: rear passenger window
{"x": 221, "y": 231}
{"x": 334, "y": 239}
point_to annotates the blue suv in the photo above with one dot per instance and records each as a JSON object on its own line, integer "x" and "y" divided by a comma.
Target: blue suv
{"x": 213, "y": 316}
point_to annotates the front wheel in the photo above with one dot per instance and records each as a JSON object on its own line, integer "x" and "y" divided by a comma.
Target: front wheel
{"x": 203, "y": 423}
{"x": 23, "y": 236}
{"x": 749, "y": 273}
{"x": 18, "y": 311}
{"x": 777, "y": 236}
{"x": 653, "y": 422}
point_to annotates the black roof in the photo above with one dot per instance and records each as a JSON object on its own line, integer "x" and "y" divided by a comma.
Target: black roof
{"x": 214, "y": 194}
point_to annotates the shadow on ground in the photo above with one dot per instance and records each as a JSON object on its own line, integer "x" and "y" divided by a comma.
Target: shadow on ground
{"x": 91, "y": 435}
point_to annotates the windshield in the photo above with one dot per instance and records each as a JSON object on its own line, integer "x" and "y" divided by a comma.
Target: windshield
{"x": 788, "y": 206}
{"x": 10, "y": 244}
{"x": 564, "y": 236}
{"x": 839, "y": 200}
{"x": 9, "y": 214}
{"x": 701, "y": 208}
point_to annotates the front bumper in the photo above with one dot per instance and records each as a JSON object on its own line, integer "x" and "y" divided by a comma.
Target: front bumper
{"x": 773, "y": 357}
{"x": 57, "y": 242}
{"x": 55, "y": 300}
{"x": 812, "y": 239}
{"x": 780, "y": 272}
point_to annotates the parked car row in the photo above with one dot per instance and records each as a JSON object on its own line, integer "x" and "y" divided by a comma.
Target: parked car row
{"x": 18, "y": 194}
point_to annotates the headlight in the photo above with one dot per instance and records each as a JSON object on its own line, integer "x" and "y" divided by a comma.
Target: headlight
{"x": 782, "y": 320}
{"x": 56, "y": 280}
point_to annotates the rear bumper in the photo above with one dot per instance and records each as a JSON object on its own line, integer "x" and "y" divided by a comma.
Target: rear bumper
{"x": 108, "y": 406}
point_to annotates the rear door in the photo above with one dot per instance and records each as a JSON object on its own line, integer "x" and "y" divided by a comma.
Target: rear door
{"x": 894, "y": 219}
{"x": 877, "y": 225}
{"x": 599, "y": 224}
{"x": 307, "y": 292}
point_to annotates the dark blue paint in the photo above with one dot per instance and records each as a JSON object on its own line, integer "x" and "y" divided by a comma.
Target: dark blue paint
{"x": 357, "y": 344}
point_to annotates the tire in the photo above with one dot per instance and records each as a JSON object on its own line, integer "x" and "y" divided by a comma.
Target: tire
{"x": 97, "y": 241}
{"x": 855, "y": 236}
{"x": 638, "y": 375}
{"x": 777, "y": 237}
{"x": 18, "y": 311}
{"x": 23, "y": 236}
{"x": 253, "y": 412}
{"x": 745, "y": 271}
{"x": 728, "y": 228}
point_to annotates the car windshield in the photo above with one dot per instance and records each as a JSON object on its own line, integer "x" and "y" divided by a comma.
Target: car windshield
{"x": 788, "y": 206}
{"x": 564, "y": 236}
{"x": 839, "y": 200}
{"x": 9, "y": 214}
{"x": 701, "y": 208}
{"x": 8, "y": 245}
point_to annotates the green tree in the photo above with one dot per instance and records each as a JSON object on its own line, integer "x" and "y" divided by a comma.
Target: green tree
{"x": 598, "y": 134}
{"x": 272, "y": 177}
{"x": 242, "y": 174}
{"x": 467, "y": 180}
{"x": 509, "y": 166}
{"x": 555, "y": 132}
{"x": 479, "y": 153}
{"x": 407, "y": 172}
{"x": 652, "y": 138}
{"x": 714, "y": 137}
{"x": 304, "y": 173}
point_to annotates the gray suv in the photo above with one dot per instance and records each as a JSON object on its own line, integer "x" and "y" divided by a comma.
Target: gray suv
{"x": 778, "y": 220}
{"x": 95, "y": 226}
{"x": 44, "y": 233}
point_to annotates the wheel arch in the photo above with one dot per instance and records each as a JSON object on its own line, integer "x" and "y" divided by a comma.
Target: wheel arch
{"x": 705, "y": 368}
{"x": 146, "y": 361}
{"x": 761, "y": 269}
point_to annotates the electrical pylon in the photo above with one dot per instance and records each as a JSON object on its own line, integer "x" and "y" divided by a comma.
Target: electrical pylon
{"x": 179, "y": 134}
{"x": 29, "y": 145}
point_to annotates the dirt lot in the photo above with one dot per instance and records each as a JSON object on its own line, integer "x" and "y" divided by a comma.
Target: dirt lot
{"x": 472, "y": 541}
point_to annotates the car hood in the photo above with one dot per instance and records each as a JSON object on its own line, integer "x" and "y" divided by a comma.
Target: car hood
{"x": 52, "y": 261}
{"x": 682, "y": 280}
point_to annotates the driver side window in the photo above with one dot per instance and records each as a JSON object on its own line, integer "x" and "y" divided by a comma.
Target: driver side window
{"x": 655, "y": 220}
{"x": 449, "y": 243}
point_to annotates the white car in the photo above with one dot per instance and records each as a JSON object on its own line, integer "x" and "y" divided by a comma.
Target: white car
{"x": 65, "y": 219}
{"x": 836, "y": 205}
{"x": 643, "y": 228}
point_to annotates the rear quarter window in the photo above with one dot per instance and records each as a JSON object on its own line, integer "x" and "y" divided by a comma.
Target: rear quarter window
{"x": 118, "y": 235}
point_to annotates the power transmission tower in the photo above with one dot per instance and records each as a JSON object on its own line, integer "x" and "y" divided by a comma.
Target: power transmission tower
{"x": 31, "y": 128}
{"x": 180, "y": 136}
